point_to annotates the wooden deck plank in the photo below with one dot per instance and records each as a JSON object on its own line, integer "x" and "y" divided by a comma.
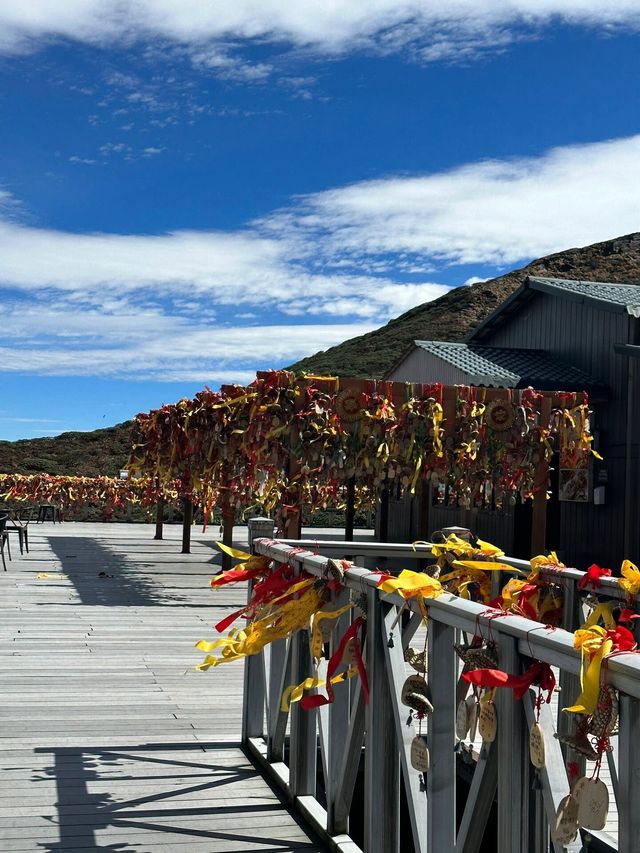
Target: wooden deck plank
{"x": 108, "y": 737}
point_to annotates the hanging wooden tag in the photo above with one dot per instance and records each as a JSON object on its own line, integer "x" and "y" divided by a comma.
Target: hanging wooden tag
{"x": 462, "y": 719}
{"x": 488, "y": 722}
{"x": 536, "y": 746}
{"x": 566, "y": 825}
{"x": 419, "y": 754}
{"x": 349, "y": 654}
{"x": 594, "y": 805}
{"x": 472, "y": 706}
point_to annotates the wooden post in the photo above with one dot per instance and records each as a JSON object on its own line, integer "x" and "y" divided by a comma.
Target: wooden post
{"x": 159, "y": 518}
{"x": 541, "y": 479}
{"x": 228, "y": 517}
{"x": 351, "y": 510}
{"x": 187, "y": 519}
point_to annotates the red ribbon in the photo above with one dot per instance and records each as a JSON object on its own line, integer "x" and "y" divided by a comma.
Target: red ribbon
{"x": 592, "y": 576}
{"x": 317, "y": 701}
{"x": 539, "y": 673}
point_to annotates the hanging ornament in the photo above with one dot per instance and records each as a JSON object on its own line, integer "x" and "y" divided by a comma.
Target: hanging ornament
{"x": 479, "y": 654}
{"x": 416, "y": 660}
{"x": 604, "y": 719}
{"x": 565, "y": 828}
{"x": 499, "y": 415}
{"x": 462, "y": 720}
{"x": 593, "y": 806}
{"x": 349, "y": 405}
{"x": 415, "y": 694}
{"x": 488, "y": 721}
{"x": 420, "y": 754}
{"x": 536, "y": 746}
{"x": 472, "y": 715}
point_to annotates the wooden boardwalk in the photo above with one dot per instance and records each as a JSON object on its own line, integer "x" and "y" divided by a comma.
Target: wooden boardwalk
{"x": 109, "y": 740}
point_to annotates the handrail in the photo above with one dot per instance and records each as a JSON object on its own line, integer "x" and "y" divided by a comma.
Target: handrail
{"x": 341, "y": 729}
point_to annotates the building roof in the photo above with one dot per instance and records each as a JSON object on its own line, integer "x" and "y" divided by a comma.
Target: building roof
{"x": 620, "y": 298}
{"x": 512, "y": 368}
{"x": 623, "y": 296}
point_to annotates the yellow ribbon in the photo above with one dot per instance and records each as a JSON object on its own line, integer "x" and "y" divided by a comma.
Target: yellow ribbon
{"x": 594, "y": 646}
{"x": 630, "y": 580}
{"x": 409, "y": 584}
{"x": 295, "y": 692}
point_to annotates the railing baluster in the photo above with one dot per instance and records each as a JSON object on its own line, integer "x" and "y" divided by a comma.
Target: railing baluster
{"x": 381, "y": 765}
{"x": 441, "y": 779}
{"x": 279, "y": 679}
{"x": 254, "y": 693}
{"x": 339, "y": 715}
{"x": 303, "y": 740}
{"x": 629, "y": 775}
{"x": 340, "y": 804}
{"x": 396, "y": 671}
{"x": 513, "y": 789}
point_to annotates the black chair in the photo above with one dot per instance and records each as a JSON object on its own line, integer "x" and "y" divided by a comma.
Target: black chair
{"x": 18, "y": 522}
{"x": 4, "y": 540}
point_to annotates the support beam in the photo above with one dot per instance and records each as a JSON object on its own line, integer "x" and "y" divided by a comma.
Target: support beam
{"x": 187, "y": 521}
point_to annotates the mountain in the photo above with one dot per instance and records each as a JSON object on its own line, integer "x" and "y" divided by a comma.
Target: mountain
{"x": 449, "y": 318}
{"x": 454, "y": 315}
{"x": 87, "y": 454}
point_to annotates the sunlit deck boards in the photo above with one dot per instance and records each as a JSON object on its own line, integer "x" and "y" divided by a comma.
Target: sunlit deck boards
{"x": 108, "y": 739}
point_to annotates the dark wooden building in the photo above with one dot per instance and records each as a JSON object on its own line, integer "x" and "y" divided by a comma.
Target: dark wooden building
{"x": 551, "y": 334}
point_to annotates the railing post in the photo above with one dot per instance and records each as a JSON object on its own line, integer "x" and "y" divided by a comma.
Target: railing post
{"x": 629, "y": 775}
{"x": 254, "y": 692}
{"x": 513, "y": 768}
{"x": 441, "y": 778}
{"x": 381, "y": 757}
{"x": 339, "y": 715}
{"x": 303, "y": 742}
{"x": 187, "y": 521}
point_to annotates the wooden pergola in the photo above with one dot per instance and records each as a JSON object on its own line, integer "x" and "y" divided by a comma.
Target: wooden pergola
{"x": 285, "y": 438}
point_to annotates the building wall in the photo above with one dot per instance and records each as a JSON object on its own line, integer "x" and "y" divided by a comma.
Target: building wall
{"x": 422, "y": 366}
{"x": 585, "y": 335}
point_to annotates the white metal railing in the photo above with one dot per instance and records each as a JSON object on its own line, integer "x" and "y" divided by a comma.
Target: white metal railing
{"x": 327, "y": 743}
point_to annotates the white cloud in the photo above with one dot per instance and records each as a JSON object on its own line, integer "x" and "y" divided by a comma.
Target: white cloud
{"x": 180, "y": 353}
{"x": 337, "y": 261}
{"x": 496, "y": 211}
{"x": 432, "y": 28}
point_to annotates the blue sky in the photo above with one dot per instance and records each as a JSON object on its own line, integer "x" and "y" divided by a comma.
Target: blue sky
{"x": 190, "y": 192}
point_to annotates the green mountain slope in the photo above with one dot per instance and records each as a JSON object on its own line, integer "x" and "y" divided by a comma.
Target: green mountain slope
{"x": 88, "y": 454}
{"x": 452, "y": 316}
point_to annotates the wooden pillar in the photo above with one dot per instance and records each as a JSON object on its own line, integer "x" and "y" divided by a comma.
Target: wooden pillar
{"x": 228, "y": 517}
{"x": 159, "y": 518}
{"x": 187, "y": 519}
{"x": 541, "y": 479}
{"x": 351, "y": 510}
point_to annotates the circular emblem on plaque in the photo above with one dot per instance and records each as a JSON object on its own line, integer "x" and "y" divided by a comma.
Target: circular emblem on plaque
{"x": 348, "y": 405}
{"x": 499, "y": 415}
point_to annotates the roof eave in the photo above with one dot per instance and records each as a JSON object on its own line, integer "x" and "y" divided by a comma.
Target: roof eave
{"x": 545, "y": 287}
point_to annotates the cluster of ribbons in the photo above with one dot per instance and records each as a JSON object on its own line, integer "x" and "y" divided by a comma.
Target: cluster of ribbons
{"x": 281, "y": 442}
{"x": 70, "y": 492}
{"x": 284, "y": 601}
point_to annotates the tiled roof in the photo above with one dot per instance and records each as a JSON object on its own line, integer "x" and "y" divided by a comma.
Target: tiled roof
{"x": 511, "y": 368}
{"x": 626, "y": 296}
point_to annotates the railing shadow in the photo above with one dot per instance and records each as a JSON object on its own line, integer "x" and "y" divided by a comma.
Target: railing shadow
{"x": 79, "y": 815}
